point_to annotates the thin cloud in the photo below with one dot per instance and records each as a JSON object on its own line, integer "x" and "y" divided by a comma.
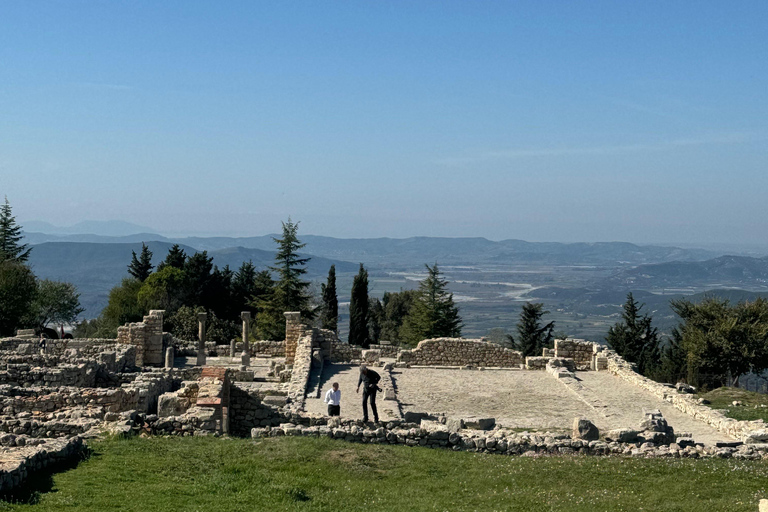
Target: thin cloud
{"x": 510, "y": 154}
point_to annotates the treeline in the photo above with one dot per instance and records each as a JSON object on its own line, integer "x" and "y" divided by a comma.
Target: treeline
{"x": 27, "y": 302}
{"x": 185, "y": 284}
{"x": 714, "y": 342}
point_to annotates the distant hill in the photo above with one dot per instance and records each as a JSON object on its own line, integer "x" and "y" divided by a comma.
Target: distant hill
{"x": 416, "y": 251}
{"x": 94, "y": 227}
{"x": 97, "y": 267}
{"x": 723, "y": 271}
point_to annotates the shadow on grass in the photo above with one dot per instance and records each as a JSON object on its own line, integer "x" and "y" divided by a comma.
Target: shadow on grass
{"x": 41, "y": 482}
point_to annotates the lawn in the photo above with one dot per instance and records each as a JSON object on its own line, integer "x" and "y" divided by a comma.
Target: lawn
{"x": 754, "y": 405}
{"x": 232, "y": 475}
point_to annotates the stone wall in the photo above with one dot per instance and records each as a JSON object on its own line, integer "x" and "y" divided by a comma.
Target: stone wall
{"x": 294, "y": 329}
{"x": 461, "y": 352}
{"x": 21, "y": 462}
{"x": 344, "y": 352}
{"x": 302, "y": 364}
{"x": 147, "y": 337}
{"x": 386, "y": 350}
{"x": 580, "y": 351}
{"x": 251, "y": 407}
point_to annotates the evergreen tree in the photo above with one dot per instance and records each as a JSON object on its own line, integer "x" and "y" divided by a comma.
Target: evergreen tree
{"x": 375, "y": 319}
{"x": 396, "y": 305}
{"x": 433, "y": 314}
{"x": 10, "y": 236}
{"x": 330, "y": 307}
{"x": 358, "y": 310}
{"x": 244, "y": 287}
{"x": 532, "y": 337}
{"x": 175, "y": 258}
{"x": 141, "y": 267}
{"x": 197, "y": 277}
{"x": 634, "y": 338}
{"x": 17, "y": 293}
{"x": 290, "y": 292}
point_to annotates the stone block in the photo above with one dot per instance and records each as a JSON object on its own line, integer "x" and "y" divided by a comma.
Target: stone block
{"x": 480, "y": 423}
{"x": 585, "y": 429}
{"x": 622, "y": 435}
{"x": 371, "y": 356}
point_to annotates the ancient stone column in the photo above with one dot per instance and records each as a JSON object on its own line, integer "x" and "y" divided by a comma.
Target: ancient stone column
{"x": 169, "y": 357}
{"x": 232, "y": 349}
{"x": 293, "y": 329}
{"x": 201, "y": 317}
{"x": 246, "y": 358}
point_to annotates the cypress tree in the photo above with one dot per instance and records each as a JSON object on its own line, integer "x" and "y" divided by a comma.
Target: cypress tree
{"x": 330, "y": 317}
{"x": 358, "y": 310}
{"x": 141, "y": 267}
{"x": 10, "y": 236}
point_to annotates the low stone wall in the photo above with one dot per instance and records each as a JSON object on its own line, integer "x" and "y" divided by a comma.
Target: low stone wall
{"x": 345, "y": 353}
{"x": 684, "y": 402}
{"x": 536, "y": 362}
{"x": 461, "y": 352}
{"x": 81, "y": 375}
{"x": 580, "y": 351}
{"x": 386, "y": 350}
{"x": 501, "y": 442}
{"x": 302, "y": 364}
{"x": 20, "y": 462}
{"x": 265, "y": 348}
{"x": 250, "y": 407}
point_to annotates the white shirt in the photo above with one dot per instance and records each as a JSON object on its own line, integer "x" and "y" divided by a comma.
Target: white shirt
{"x": 333, "y": 397}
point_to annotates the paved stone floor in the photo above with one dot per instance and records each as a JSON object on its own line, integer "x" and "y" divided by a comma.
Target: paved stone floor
{"x": 351, "y": 402}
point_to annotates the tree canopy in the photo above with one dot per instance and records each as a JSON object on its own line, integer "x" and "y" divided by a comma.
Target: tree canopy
{"x": 141, "y": 267}
{"x": 55, "y": 303}
{"x": 358, "y": 310}
{"x": 433, "y": 313}
{"x": 634, "y": 338}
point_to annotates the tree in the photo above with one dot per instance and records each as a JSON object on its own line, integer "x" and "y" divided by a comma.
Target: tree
{"x": 290, "y": 292}
{"x": 163, "y": 290}
{"x": 375, "y": 319}
{"x": 396, "y": 305}
{"x": 56, "y": 303}
{"x": 721, "y": 340}
{"x": 197, "y": 276}
{"x": 141, "y": 267}
{"x": 358, "y": 310}
{"x": 123, "y": 307}
{"x": 176, "y": 258}
{"x": 433, "y": 314}
{"x": 532, "y": 337}
{"x": 17, "y": 291}
{"x": 329, "y": 318}
{"x": 634, "y": 338}
{"x": 10, "y": 237}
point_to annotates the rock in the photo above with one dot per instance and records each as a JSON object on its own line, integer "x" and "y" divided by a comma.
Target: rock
{"x": 756, "y": 437}
{"x": 622, "y": 435}
{"x": 682, "y": 387}
{"x": 737, "y": 403}
{"x": 389, "y": 394}
{"x": 703, "y": 401}
{"x": 585, "y": 429}
{"x": 481, "y": 423}
{"x": 454, "y": 424}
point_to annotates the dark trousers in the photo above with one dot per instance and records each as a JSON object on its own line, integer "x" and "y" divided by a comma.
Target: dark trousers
{"x": 372, "y": 396}
{"x": 334, "y": 410}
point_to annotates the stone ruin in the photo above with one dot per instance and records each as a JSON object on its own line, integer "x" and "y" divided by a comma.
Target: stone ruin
{"x": 148, "y": 382}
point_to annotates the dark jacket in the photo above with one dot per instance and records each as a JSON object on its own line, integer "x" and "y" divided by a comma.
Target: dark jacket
{"x": 370, "y": 380}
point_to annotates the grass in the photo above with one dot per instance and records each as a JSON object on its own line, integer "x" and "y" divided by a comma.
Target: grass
{"x": 295, "y": 474}
{"x": 723, "y": 398}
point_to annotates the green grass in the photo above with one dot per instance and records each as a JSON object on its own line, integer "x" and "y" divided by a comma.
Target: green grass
{"x": 722, "y": 398}
{"x": 207, "y": 474}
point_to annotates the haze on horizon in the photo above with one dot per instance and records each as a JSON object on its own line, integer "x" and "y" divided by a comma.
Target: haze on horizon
{"x": 590, "y": 121}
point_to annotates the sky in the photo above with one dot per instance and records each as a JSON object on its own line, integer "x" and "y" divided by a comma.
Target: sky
{"x": 635, "y": 121}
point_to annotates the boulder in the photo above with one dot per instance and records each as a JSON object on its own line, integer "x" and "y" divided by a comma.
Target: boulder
{"x": 585, "y": 429}
{"x": 622, "y": 435}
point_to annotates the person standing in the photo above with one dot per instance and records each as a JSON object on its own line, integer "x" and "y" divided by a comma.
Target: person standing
{"x": 370, "y": 381}
{"x": 333, "y": 399}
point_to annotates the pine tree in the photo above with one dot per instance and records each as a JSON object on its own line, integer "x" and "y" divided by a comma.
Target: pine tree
{"x": 532, "y": 337}
{"x": 358, "y": 310}
{"x": 634, "y": 338}
{"x": 375, "y": 319}
{"x": 175, "y": 258}
{"x": 330, "y": 316}
{"x": 141, "y": 267}
{"x": 10, "y": 236}
{"x": 433, "y": 314}
{"x": 290, "y": 292}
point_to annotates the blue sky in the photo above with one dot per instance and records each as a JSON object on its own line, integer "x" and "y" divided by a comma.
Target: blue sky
{"x": 562, "y": 121}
